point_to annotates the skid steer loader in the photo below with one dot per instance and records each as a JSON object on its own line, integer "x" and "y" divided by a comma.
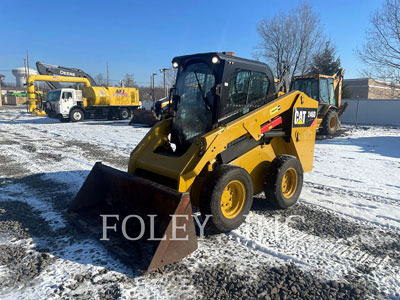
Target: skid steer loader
{"x": 229, "y": 136}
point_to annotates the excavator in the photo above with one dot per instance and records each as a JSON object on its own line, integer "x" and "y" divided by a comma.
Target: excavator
{"x": 228, "y": 136}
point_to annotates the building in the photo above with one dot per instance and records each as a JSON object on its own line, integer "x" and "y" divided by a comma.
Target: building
{"x": 367, "y": 88}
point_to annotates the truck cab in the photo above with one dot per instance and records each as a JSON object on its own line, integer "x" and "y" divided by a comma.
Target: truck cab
{"x": 60, "y": 103}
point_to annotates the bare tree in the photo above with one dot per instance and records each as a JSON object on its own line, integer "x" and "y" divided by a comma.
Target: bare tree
{"x": 171, "y": 76}
{"x": 291, "y": 38}
{"x": 100, "y": 79}
{"x": 381, "y": 51}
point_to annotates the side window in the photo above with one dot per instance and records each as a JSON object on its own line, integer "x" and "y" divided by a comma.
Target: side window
{"x": 67, "y": 95}
{"x": 238, "y": 87}
{"x": 331, "y": 91}
{"x": 259, "y": 84}
{"x": 247, "y": 91}
{"x": 323, "y": 90}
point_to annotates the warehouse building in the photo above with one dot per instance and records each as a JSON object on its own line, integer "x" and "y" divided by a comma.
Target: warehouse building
{"x": 367, "y": 88}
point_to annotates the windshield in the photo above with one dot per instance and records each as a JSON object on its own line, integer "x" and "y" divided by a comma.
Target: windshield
{"x": 309, "y": 86}
{"x": 53, "y": 96}
{"x": 196, "y": 99}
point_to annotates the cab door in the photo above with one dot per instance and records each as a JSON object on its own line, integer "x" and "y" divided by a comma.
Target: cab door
{"x": 67, "y": 101}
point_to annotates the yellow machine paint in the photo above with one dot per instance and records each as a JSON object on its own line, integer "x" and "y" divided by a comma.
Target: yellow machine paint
{"x": 333, "y": 123}
{"x": 181, "y": 172}
{"x": 110, "y": 96}
{"x": 262, "y": 140}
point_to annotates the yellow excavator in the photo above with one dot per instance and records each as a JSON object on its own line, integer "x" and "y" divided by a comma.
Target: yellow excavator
{"x": 228, "y": 137}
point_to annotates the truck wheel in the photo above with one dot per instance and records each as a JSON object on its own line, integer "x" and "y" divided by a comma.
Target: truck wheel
{"x": 76, "y": 115}
{"x": 284, "y": 181}
{"x": 123, "y": 114}
{"x": 330, "y": 124}
{"x": 227, "y": 196}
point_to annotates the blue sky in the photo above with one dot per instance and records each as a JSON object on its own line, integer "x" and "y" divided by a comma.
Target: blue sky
{"x": 141, "y": 37}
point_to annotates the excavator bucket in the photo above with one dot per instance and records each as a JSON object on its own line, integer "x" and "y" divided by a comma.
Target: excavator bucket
{"x": 147, "y": 224}
{"x": 142, "y": 116}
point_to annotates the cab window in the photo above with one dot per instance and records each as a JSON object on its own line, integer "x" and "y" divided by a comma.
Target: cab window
{"x": 67, "y": 95}
{"x": 247, "y": 91}
{"x": 331, "y": 91}
{"x": 323, "y": 90}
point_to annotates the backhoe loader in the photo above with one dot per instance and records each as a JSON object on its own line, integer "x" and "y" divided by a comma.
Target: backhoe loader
{"x": 328, "y": 91}
{"x": 228, "y": 137}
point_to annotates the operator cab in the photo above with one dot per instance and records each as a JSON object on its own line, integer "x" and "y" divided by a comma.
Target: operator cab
{"x": 214, "y": 88}
{"x": 318, "y": 87}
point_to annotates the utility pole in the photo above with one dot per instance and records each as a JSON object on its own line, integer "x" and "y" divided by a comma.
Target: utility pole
{"x": 165, "y": 84}
{"x": 108, "y": 77}
{"x": 27, "y": 61}
{"x": 1, "y": 79}
{"x": 154, "y": 98}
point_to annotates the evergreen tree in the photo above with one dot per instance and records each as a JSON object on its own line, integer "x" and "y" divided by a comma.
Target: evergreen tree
{"x": 325, "y": 62}
{"x": 129, "y": 80}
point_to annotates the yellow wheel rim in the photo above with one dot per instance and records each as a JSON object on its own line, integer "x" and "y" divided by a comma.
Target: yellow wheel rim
{"x": 332, "y": 123}
{"x": 289, "y": 183}
{"x": 232, "y": 199}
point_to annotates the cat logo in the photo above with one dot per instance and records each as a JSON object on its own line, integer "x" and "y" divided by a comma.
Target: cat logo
{"x": 299, "y": 117}
{"x": 304, "y": 117}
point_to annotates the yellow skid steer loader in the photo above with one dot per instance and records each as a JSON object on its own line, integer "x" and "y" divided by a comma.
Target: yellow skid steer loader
{"x": 228, "y": 137}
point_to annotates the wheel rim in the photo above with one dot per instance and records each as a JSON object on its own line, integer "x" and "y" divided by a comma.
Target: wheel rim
{"x": 232, "y": 199}
{"x": 332, "y": 123}
{"x": 124, "y": 114}
{"x": 289, "y": 183}
{"x": 77, "y": 115}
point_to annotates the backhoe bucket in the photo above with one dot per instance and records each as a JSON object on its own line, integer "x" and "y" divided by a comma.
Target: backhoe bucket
{"x": 142, "y": 116}
{"x": 166, "y": 233}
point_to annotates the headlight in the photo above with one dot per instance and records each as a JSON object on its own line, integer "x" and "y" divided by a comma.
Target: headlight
{"x": 215, "y": 60}
{"x": 175, "y": 64}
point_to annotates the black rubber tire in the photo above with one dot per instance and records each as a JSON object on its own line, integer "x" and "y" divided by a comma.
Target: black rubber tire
{"x": 326, "y": 127}
{"x": 124, "y": 114}
{"x": 210, "y": 197}
{"x": 74, "y": 113}
{"x": 273, "y": 181}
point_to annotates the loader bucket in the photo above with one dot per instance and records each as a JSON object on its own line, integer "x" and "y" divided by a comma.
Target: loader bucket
{"x": 167, "y": 215}
{"x": 142, "y": 116}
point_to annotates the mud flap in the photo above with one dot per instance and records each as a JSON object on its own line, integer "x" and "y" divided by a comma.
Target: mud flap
{"x": 166, "y": 215}
{"x": 146, "y": 117}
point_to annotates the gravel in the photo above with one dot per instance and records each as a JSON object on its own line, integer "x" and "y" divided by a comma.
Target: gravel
{"x": 315, "y": 221}
{"x": 266, "y": 282}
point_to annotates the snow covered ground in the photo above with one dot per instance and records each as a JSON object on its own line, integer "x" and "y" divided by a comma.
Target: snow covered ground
{"x": 342, "y": 240}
